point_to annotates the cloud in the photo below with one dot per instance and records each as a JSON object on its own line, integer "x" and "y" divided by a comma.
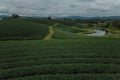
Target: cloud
{"x": 4, "y": 10}
{"x": 61, "y": 7}
{"x": 85, "y": 0}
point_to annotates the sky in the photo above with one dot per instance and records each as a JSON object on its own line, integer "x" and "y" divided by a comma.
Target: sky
{"x": 85, "y": 8}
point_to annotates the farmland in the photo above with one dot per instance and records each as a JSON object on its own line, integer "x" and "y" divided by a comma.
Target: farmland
{"x": 42, "y": 49}
{"x": 22, "y": 29}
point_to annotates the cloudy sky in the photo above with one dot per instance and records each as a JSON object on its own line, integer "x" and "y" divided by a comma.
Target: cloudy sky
{"x": 61, "y": 7}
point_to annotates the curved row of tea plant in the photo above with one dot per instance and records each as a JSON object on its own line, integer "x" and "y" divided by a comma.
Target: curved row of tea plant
{"x": 83, "y": 59}
{"x": 72, "y": 77}
{"x": 60, "y": 69}
{"x": 19, "y": 29}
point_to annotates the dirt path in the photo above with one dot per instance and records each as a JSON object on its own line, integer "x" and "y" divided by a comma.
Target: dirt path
{"x": 51, "y": 32}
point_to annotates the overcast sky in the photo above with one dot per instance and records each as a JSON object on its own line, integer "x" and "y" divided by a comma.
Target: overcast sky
{"x": 61, "y": 7}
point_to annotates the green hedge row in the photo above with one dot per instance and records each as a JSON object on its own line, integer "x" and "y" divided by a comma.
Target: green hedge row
{"x": 58, "y": 61}
{"x": 72, "y": 77}
{"x": 59, "y": 69}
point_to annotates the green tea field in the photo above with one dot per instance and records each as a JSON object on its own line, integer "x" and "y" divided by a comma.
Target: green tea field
{"x": 38, "y": 49}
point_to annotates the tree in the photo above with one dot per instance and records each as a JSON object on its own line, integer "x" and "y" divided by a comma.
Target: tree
{"x": 49, "y": 18}
{"x": 15, "y": 16}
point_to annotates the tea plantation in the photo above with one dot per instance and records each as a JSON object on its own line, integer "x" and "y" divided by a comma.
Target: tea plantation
{"x": 21, "y": 29}
{"x": 25, "y": 55}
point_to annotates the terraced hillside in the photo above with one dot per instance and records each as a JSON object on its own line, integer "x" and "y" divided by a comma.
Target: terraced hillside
{"x": 36, "y": 29}
{"x": 20, "y": 29}
{"x": 70, "y": 32}
{"x": 84, "y": 59}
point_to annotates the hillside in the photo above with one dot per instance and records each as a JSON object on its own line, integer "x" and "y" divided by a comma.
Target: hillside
{"x": 22, "y": 29}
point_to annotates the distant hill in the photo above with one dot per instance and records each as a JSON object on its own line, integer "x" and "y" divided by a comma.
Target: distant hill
{"x": 4, "y": 16}
{"x": 76, "y": 17}
{"x": 89, "y": 18}
{"x": 70, "y": 17}
{"x": 109, "y": 17}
